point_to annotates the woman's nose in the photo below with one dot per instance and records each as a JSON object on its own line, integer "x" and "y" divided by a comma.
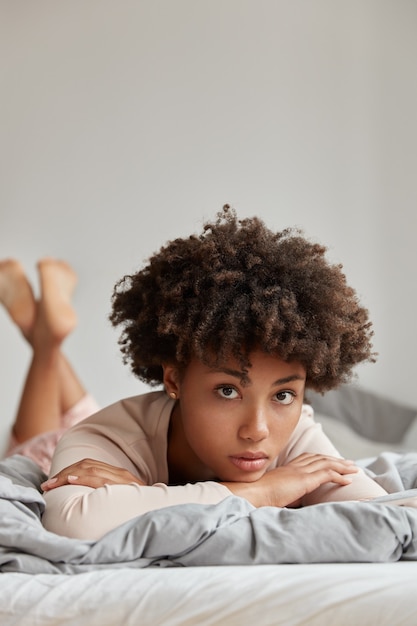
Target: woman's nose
{"x": 254, "y": 426}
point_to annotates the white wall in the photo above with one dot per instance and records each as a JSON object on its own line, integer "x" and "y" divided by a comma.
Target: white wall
{"x": 125, "y": 124}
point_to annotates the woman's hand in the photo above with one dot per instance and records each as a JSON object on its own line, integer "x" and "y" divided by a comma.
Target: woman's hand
{"x": 91, "y": 473}
{"x": 288, "y": 484}
{"x": 282, "y": 486}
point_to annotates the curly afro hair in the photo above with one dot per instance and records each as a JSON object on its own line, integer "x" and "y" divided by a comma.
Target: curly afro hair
{"x": 235, "y": 288}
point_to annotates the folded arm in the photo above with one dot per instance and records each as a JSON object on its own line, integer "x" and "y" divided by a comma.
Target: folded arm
{"x": 94, "y": 497}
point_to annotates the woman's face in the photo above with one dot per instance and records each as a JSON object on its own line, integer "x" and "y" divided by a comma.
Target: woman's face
{"x": 231, "y": 427}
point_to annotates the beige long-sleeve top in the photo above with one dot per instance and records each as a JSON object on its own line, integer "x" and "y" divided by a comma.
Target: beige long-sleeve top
{"x": 133, "y": 434}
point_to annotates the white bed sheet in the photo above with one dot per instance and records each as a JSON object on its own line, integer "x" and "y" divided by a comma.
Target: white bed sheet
{"x": 266, "y": 595}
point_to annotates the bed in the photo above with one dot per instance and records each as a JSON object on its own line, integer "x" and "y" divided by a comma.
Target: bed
{"x": 336, "y": 563}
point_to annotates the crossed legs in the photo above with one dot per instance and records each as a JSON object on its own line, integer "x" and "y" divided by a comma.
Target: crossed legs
{"x": 51, "y": 386}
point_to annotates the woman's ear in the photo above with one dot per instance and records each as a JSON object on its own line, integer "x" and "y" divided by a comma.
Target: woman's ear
{"x": 171, "y": 381}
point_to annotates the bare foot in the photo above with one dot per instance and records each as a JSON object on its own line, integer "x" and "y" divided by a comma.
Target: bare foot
{"x": 16, "y": 295}
{"x": 55, "y": 317}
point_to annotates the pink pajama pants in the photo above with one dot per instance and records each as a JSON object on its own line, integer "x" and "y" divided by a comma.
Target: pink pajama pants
{"x": 41, "y": 447}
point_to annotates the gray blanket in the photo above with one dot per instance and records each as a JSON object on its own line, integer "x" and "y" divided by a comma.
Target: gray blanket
{"x": 230, "y": 533}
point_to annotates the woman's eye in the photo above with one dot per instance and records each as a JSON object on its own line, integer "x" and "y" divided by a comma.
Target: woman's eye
{"x": 227, "y": 392}
{"x": 285, "y": 397}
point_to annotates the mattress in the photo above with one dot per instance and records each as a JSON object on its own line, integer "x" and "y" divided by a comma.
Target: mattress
{"x": 340, "y": 594}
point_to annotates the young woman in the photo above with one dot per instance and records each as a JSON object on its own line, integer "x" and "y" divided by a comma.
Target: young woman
{"x": 234, "y": 324}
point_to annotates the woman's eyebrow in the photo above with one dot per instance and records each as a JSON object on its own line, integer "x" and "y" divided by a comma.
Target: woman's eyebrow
{"x": 244, "y": 377}
{"x": 289, "y": 379}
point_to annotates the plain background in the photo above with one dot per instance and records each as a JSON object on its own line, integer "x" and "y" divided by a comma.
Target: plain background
{"x": 127, "y": 123}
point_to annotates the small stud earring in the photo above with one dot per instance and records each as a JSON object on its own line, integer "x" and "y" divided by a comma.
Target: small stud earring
{"x": 173, "y": 395}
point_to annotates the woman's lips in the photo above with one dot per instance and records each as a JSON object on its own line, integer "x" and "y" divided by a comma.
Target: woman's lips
{"x": 248, "y": 462}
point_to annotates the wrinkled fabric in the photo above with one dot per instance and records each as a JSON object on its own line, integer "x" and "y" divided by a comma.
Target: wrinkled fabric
{"x": 232, "y": 532}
